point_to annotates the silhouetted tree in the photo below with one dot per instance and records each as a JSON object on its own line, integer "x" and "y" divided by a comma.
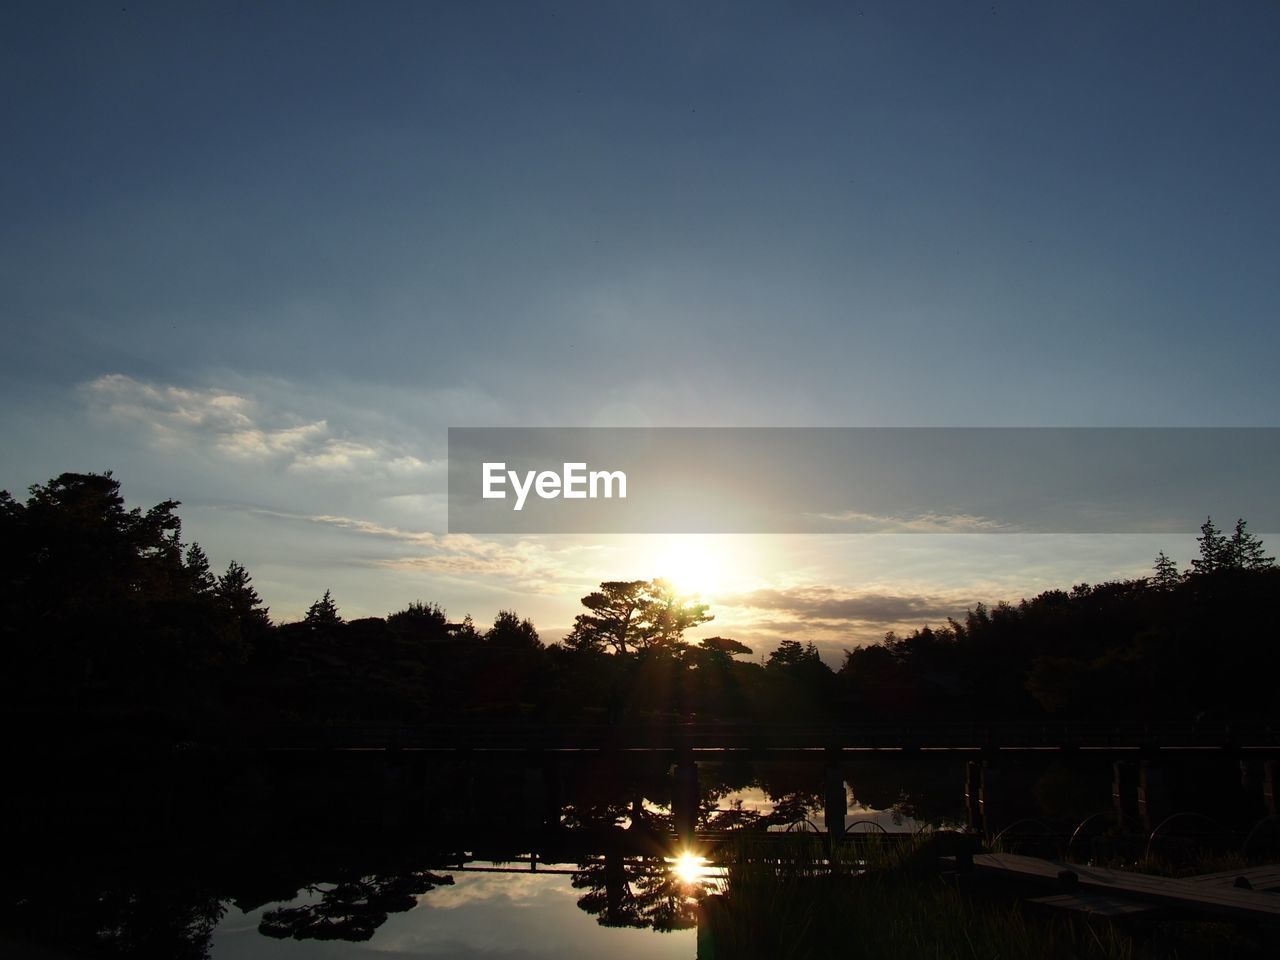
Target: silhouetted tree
{"x": 510, "y": 631}
{"x": 236, "y": 594}
{"x": 631, "y": 615}
{"x": 1166, "y": 573}
{"x": 420, "y": 621}
{"x": 324, "y": 612}
{"x": 616, "y": 609}
{"x": 667, "y": 616}
{"x": 465, "y": 631}
{"x": 1215, "y": 551}
{"x": 199, "y": 575}
{"x": 724, "y": 646}
{"x": 1244, "y": 550}
{"x": 352, "y": 909}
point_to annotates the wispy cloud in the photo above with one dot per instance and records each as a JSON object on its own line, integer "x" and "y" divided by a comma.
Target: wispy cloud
{"x": 241, "y": 429}
{"x": 834, "y": 618}
{"x": 919, "y": 523}
{"x": 809, "y": 603}
{"x": 524, "y": 563}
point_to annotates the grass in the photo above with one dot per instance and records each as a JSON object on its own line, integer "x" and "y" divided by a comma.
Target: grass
{"x": 889, "y": 900}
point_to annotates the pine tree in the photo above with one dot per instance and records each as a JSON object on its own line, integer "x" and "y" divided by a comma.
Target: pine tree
{"x": 1167, "y": 576}
{"x": 324, "y": 612}
{"x": 1214, "y": 549}
{"x": 236, "y": 593}
{"x": 1244, "y": 550}
{"x": 199, "y": 576}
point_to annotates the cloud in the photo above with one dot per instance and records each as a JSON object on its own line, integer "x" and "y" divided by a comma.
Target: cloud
{"x": 821, "y": 603}
{"x": 240, "y": 429}
{"x": 920, "y": 523}
{"x": 833, "y": 618}
{"x": 524, "y": 563}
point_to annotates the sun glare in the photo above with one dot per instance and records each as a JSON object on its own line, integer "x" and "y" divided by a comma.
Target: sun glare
{"x": 689, "y": 868}
{"x": 701, "y": 564}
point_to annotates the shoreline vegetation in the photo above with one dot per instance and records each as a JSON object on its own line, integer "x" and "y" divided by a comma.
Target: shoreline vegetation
{"x": 116, "y": 625}
{"x": 106, "y": 610}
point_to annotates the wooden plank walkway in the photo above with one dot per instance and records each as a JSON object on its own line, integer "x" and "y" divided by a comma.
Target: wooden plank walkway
{"x": 1202, "y": 896}
{"x": 1266, "y": 877}
{"x": 750, "y": 737}
{"x": 1096, "y": 905}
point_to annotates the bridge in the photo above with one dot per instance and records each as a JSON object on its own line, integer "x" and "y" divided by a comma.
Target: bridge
{"x": 753, "y": 739}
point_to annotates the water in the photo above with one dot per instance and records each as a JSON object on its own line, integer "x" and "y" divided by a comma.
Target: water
{"x": 482, "y": 915}
{"x": 507, "y": 909}
{"x": 362, "y": 854}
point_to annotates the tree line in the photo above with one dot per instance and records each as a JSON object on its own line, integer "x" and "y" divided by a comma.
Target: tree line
{"x": 105, "y": 609}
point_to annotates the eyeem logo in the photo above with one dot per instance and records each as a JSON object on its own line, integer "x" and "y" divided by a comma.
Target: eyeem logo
{"x": 572, "y": 483}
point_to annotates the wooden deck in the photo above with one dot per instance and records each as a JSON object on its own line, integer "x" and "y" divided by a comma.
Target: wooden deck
{"x": 1213, "y": 894}
{"x": 1260, "y": 878}
{"x": 721, "y": 738}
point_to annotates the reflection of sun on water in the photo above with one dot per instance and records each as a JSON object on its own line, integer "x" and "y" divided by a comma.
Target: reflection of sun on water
{"x": 689, "y": 868}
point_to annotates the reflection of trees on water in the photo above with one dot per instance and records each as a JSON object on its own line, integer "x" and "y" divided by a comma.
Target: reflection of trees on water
{"x": 156, "y": 923}
{"x": 643, "y": 893}
{"x": 613, "y": 820}
{"x": 109, "y": 916}
{"x": 352, "y": 909}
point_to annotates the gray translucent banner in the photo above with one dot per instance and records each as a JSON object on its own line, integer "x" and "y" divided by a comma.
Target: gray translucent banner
{"x": 861, "y": 480}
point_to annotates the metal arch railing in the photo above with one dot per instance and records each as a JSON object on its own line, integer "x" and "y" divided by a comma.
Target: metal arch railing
{"x": 873, "y": 823}
{"x": 1103, "y": 815}
{"x": 1272, "y": 820}
{"x": 1221, "y": 831}
{"x": 1047, "y": 832}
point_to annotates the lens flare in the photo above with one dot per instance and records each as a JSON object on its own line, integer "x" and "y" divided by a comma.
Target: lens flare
{"x": 689, "y": 868}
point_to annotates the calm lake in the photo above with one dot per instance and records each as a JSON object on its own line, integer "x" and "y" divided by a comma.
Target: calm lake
{"x": 359, "y": 853}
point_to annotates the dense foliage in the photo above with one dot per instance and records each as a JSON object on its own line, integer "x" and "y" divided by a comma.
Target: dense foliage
{"x": 105, "y": 609}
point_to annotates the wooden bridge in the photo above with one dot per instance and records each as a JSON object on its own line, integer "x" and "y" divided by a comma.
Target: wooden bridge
{"x": 715, "y": 740}
{"x": 1236, "y": 894}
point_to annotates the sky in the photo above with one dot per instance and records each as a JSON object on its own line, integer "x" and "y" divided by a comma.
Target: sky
{"x": 259, "y": 257}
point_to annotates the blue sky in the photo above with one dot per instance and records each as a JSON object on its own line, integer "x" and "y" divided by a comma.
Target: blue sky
{"x": 260, "y": 257}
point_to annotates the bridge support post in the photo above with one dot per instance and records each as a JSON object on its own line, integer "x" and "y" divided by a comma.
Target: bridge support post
{"x": 540, "y": 800}
{"x": 1124, "y": 792}
{"x": 684, "y": 795}
{"x": 1153, "y": 795}
{"x": 1252, "y": 806}
{"x": 991, "y": 797}
{"x": 973, "y": 794}
{"x": 392, "y": 788}
{"x": 1271, "y": 786}
{"x": 835, "y": 799}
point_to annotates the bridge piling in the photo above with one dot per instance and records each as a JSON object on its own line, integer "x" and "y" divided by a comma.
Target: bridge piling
{"x": 1153, "y": 795}
{"x": 991, "y": 799}
{"x": 685, "y": 796}
{"x": 835, "y": 798}
{"x": 1271, "y": 786}
{"x": 1124, "y": 792}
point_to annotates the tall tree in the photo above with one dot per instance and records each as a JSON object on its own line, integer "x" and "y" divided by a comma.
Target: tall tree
{"x": 199, "y": 576}
{"x": 1214, "y": 549}
{"x": 420, "y": 621}
{"x": 667, "y": 615}
{"x": 238, "y": 597}
{"x": 510, "y": 631}
{"x": 1166, "y": 573}
{"x": 1244, "y": 550}
{"x": 631, "y": 615}
{"x": 324, "y": 612}
{"x": 615, "y": 618}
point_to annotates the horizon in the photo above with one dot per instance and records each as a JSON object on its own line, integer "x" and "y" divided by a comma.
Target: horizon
{"x": 261, "y": 259}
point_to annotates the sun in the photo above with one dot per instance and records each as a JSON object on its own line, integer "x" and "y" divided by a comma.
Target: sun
{"x": 703, "y": 565}
{"x": 689, "y": 868}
